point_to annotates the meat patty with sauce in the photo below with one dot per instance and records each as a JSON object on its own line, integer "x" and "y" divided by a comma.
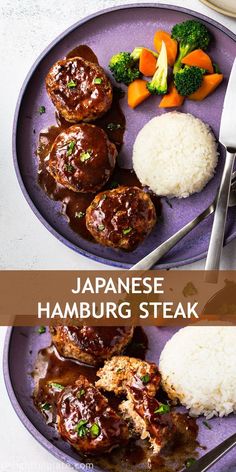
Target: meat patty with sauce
{"x": 121, "y": 372}
{"x": 82, "y": 158}
{"x": 86, "y": 420}
{"x": 79, "y": 89}
{"x": 121, "y": 218}
{"x": 148, "y": 419}
{"x": 91, "y": 345}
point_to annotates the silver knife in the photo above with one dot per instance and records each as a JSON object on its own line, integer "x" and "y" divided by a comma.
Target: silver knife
{"x": 228, "y": 139}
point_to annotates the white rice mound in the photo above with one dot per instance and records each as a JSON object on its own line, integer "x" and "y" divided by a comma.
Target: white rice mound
{"x": 175, "y": 154}
{"x": 198, "y": 368}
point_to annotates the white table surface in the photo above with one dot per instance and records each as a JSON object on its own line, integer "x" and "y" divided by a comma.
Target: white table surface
{"x": 27, "y": 27}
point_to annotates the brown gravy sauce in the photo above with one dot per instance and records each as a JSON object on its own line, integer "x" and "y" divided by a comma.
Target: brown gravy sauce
{"x": 137, "y": 456}
{"x": 74, "y": 204}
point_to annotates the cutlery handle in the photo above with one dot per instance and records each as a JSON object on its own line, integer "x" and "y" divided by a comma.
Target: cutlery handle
{"x": 148, "y": 261}
{"x": 213, "y": 456}
{"x": 218, "y": 228}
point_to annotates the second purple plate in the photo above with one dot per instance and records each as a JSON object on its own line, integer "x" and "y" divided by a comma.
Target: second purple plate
{"x": 108, "y": 32}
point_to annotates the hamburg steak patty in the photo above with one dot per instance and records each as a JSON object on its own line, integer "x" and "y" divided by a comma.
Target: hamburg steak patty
{"x": 122, "y": 372}
{"x": 86, "y": 420}
{"x": 82, "y": 158}
{"x": 121, "y": 217}
{"x": 79, "y": 89}
{"x": 91, "y": 345}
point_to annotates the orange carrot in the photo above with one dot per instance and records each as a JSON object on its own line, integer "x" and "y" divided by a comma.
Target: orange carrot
{"x": 137, "y": 92}
{"x": 209, "y": 84}
{"x": 172, "y": 98}
{"x": 199, "y": 58}
{"x": 147, "y": 63}
{"x": 171, "y": 45}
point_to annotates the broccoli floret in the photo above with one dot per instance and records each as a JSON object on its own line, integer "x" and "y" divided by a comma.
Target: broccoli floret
{"x": 188, "y": 80}
{"x": 158, "y": 84}
{"x": 190, "y": 34}
{"x": 124, "y": 68}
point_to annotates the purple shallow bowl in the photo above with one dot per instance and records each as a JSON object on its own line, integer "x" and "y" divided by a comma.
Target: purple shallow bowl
{"x": 21, "y": 348}
{"x": 107, "y": 32}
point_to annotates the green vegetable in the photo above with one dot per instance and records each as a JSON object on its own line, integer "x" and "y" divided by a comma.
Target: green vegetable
{"x": 119, "y": 370}
{"x": 190, "y": 462}
{"x": 46, "y": 406}
{"x": 57, "y": 386}
{"x": 208, "y": 426}
{"x": 190, "y": 34}
{"x": 113, "y": 126}
{"x": 188, "y": 80}
{"x": 68, "y": 167}
{"x": 101, "y": 227}
{"x": 42, "y": 110}
{"x": 70, "y": 148}
{"x": 81, "y": 428}
{"x": 162, "y": 409}
{"x": 158, "y": 84}
{"x": 135, "y": 54}
{"x": 42, "y": 329}
{"x": 71, "y": 84}
{"x": 145, "y": 379}
{"x": 216, "y": 68}
{"x": 124, "y": 68}
{"x": 79, "y": 214}
{"x": 80, "y": 393}
{"x": 85, "y": 155}
{"x": 94, "y": 430}
{"x": 127, "y": 230}
{"x": 97, "y": 80}
{"x": 113, "y": 184}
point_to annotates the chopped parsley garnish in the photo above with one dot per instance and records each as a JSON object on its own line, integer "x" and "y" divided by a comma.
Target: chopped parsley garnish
{"x": 104, "y": 197}
{"x": 79, "y": 214}
{"x": 69, "y": 167}
{"x": 46, "y": 406}
{"x": 56, "y": 385}
{"x": 85, "y": 155}
{"x": 113, "y": 184}
{"x": 145, "y": 379}
{"x": 127, "y": 230}
{"x": 70, "y": 148}
{"x": 113, "y": 126}
{"x": 71, "y": 84}
{"x": 42, "y": 110}
{"x": 81, "y": 428}
{"x": 119, "y": 369}
{"x": 97, "y": 80}
{"x": 80, "y": 393}
{"x": 42, "y": 329}
{"x": 208, "y": 426}
{"x": 162, "y": 409}
{"x": 101, "y": 227}
{"x": 190, "y": 462}
{"x": 94, "y": 430}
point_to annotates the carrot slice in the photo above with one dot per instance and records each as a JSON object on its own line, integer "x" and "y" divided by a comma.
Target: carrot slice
{"x": 137, "y": 92}
{"x": 209, "y": 84}
{"x": 147, "y": 63}
{"x": 171, "y": 45}
{"x": 172, "y": 98}
{"x": 199, "y": 58}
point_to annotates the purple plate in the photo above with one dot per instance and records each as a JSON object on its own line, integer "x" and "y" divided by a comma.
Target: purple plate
{"x": 107, "y": 32}
{"x": 21, "y": 347}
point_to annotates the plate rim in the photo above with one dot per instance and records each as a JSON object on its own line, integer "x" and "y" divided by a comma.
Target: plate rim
{"x": 223, "y": 11}
{"x": 16, "y": 121}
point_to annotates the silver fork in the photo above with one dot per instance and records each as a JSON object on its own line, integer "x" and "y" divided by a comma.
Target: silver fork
{"x": 148, "y": 261}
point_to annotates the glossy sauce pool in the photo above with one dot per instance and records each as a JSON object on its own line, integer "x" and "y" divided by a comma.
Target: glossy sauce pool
{"x": 74, "y": 204}
{"x": 137, "y": 456}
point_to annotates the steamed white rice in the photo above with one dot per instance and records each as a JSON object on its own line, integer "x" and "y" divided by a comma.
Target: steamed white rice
{"x": 198, "y": 367}
{"x": 175, "y": 154}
